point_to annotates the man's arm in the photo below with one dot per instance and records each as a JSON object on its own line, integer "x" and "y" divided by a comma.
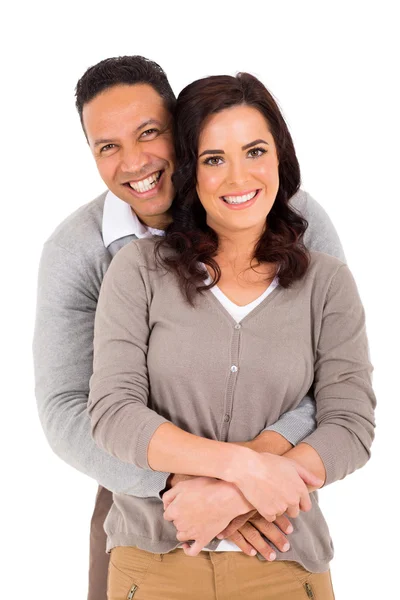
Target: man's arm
{"x": 295, "y": 425}
{"x": 321, "y": 235}
{"x": 63, "y": 358}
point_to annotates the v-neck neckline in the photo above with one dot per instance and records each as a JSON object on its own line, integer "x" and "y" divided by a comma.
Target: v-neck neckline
{"x": 214, "y": 300}
{"x": 274, "y": 283}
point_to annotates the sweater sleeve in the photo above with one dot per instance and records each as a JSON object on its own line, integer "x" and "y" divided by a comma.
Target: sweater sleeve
{"x": 342, "y": 384}
{"x": 122, "y": 423}
{"x": 321, "y": 235}
{"x": 63, "y": 356}
{"x": 296, "y": 424}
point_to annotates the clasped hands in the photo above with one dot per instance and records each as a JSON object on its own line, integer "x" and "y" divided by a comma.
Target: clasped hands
{"x": 203, "y": 508}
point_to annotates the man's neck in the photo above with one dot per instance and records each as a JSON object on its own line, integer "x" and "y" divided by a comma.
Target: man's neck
{"x": 156, "y": 221}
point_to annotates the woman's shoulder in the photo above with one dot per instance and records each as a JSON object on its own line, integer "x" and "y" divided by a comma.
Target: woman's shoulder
{"x": 322, "y": 270}
{"x": 326, "y": 272}
{"x": 140, "y": 252}
{"x": 322, "y": 262}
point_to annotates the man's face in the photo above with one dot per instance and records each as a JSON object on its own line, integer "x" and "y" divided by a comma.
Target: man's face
{"x": 129, "y": 132}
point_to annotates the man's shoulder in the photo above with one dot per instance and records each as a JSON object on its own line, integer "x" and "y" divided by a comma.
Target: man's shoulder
{"x": 299, "y": 200}
{"x": 305, "y": 204}
{"x": 81, "y": 231}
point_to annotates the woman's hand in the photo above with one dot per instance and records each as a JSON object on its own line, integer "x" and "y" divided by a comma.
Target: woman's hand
{"x": 273, "y": 484}
{"x": 201, "y": 508}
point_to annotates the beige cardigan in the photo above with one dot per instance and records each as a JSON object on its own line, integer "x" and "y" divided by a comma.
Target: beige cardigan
{"x": 158, "y": 359}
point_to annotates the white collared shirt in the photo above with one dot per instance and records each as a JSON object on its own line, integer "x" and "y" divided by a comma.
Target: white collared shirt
{"x": 119, "y": 221}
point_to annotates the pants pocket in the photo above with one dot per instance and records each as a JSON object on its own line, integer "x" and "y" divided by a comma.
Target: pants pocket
{"x": 119, "y": 585}
{"x": 126, "y": 572}
{"x": 316, "y": 586}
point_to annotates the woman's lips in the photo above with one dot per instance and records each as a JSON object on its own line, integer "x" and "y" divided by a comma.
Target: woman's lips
{"x": 243, "y": 205}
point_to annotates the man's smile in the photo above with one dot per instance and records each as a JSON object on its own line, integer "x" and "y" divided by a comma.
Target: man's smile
{"x": 146, "y": 184}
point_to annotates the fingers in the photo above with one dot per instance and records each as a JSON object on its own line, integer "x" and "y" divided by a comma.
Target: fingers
{"x": 305, "y": 502}
{"x": 293, "y": 511}
{"x": 284, "y": 524}
{"x": 193, "y": 549}
{"x": 169, "y": 514}
{"x": 183, "y": 536}
{"x": 268, "y": 517}
{"x": 238, "y": 539}
{"x": 169, "y": 496}
{"x": 252, "y": 532}
{"x": 235, "y": 524}
{"x": 166, "y": 502}
{"x": 308, "y": 477}
{"x": 254, "y": 539}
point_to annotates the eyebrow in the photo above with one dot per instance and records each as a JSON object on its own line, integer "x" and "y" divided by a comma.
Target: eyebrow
{"x": 141, "y": 126}
{"x": 245, "y": 147}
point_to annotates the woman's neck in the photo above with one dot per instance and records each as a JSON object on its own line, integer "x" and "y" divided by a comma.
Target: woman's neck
{"x": 236, "y": 249}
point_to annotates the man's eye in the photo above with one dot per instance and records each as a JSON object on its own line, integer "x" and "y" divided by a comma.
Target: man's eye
{"x": 107, "y": 147}
{"x": 213, "y": 161}
{"x": 150, "y": 132}
{"x": 256, "y": 152}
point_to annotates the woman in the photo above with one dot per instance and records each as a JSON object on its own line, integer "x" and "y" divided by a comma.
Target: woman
{"x": 225, "y": 324}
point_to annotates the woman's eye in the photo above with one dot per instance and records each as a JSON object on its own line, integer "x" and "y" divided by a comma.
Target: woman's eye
{"x": 213, "y": 161}
{"x": 256, "y": 152}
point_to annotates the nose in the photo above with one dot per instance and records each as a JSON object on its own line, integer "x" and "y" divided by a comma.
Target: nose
{"x": 133, "y": 159}
{"x": 237, "y": 173}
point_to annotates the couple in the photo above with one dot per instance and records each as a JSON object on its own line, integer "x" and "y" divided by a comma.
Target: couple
{"x": 203, "y": 339}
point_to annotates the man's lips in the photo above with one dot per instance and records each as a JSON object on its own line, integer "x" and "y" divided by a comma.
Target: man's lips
{"x": 136, "y": 184}
{"x": 147, "y": 187}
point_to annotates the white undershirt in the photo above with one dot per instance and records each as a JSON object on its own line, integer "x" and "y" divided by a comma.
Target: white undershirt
{"x": 240, "y": 312}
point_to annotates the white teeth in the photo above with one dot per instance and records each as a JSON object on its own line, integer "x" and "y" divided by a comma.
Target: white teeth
{"x": 239, "y": 199}
{"x": 146, "y": 184}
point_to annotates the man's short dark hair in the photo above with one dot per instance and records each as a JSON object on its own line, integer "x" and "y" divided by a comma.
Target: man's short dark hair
{"x": 122, "y": 70}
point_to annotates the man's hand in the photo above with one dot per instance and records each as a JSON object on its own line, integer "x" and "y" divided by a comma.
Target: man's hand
{"x": 175, "y": 478}
{"x": 245, "y": 531}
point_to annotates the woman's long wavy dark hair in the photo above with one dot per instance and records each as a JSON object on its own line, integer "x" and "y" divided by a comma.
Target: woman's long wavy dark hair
{"x": 191, "y": 239}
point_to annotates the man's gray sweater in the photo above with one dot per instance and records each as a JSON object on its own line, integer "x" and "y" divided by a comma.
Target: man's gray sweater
{"x": 73, "y": 264}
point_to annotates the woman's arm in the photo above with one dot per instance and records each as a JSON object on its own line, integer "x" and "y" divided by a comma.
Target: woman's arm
{"x": 126, "y": 427}
{"x": 343, "y": 391}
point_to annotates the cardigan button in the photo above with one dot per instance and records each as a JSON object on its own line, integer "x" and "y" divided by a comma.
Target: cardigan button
{"x": 238, "y": 326}
{"x": 234, "y": 369}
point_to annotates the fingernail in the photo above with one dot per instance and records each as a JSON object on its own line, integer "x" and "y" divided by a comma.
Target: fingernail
{"x": 220, "y": 537}
{"x": 253, "y": 552}
{"x": 289, "y": 529}
{"x": 272, "y": 556}
{"x": 286, "y": 547}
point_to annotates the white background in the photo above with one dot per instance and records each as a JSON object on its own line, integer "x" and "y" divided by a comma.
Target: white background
{"x": 333, "y": 69}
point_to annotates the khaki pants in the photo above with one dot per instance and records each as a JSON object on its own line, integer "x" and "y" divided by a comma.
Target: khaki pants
{"x": 138, "y": 575}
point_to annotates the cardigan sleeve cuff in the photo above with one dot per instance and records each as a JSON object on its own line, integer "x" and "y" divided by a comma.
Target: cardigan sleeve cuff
{"x": 144, "y": 437}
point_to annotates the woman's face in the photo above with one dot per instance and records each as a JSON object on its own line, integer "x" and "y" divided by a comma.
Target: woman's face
{"x": 237, "y": 170}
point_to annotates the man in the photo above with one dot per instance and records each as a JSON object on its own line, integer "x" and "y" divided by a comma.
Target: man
{"x": 125, "y": 105}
